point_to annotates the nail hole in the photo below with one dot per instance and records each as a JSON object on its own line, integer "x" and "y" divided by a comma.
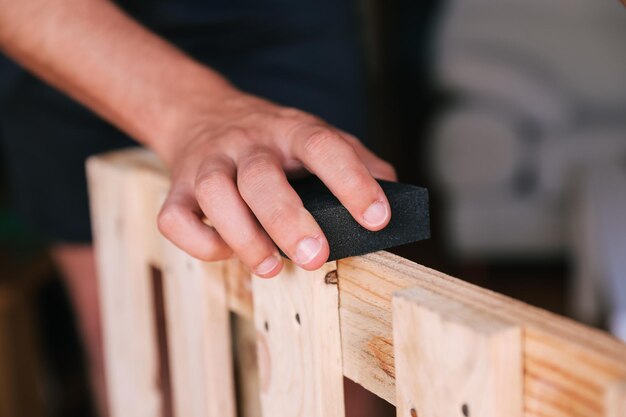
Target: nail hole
{"x": 298, "y": 318}
{"x": 413, "y": 412}
{"x": 465, "y": 410}
{"x": 267, "y": 326}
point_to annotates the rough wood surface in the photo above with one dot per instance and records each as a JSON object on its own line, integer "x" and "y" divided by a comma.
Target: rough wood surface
{"x": 298, "y": 343}
{"x": 198, "y": 323}
{"x": 248, "y": 387}
{"x": 123, "y": 213}
{"x": 239, "y": 288}
{"x": 569, "y": 369}
{"x": 454, "y": 360}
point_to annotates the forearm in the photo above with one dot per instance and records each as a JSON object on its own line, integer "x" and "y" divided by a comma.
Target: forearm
{"x": 95, "y": 53}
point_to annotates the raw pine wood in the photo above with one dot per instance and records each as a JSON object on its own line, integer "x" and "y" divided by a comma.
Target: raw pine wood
{"x": 298, "y": 343}
{"x": 248, "y": 387}
{"x": 198, "y": 326}
{"x": 569, "y": 369}
{"x": 239, "y": 288}
{"x": 452, "y": 359}
{"x": 123, "y": 219}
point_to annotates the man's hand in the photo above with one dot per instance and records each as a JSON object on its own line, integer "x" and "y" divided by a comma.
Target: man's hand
{"x": 228, "y": 151}
{"x": 231, "y": 167}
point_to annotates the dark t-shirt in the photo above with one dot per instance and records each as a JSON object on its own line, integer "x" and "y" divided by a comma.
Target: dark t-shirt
{"x": 300, "y": 53}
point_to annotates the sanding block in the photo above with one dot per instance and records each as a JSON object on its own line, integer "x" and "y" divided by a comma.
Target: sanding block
{"x": 410, "y": 220}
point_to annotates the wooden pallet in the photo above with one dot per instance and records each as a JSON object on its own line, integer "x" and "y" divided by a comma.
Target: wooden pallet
{"x": 428, "y": 343}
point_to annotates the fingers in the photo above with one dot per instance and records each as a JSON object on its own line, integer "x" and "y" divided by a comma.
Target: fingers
{"x": 379, "y": 168}
{"x": 336, "y": 162}
{"x": 179, "y": 221}
{"x": 264, "y": 187}
{"x": 220, "y": 201}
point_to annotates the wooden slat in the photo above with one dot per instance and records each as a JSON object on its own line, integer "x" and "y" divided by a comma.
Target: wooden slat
{"x": 453, "y": 360}
{"x": 570, "y": 369}
{"x": 198, "y": 326}
{"x": 248, "y": 387}
{"x": 577, "y": 365}
{"x": 239, "y": 288}
{"x": 298, "y": 344}
{"x": 123, "y": 215}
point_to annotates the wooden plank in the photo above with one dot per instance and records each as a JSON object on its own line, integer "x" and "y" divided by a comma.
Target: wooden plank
{"x": 239, "y": 288}
{"x": 124, "y": 222}
{"x": 453, "y": 360}
{"x": 199, "y": 339}
{"x": 145, "y": 166}
{"x": 298, "y": 344}
{"x": 248, "y": 387}
{"x": 568, "y": 368}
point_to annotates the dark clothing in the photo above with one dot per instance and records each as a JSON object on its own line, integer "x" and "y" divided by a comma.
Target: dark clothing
{"x": 297, "y": 53}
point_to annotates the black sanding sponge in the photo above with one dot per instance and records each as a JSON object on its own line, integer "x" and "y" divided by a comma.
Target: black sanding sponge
{"x": 409, "y": 218}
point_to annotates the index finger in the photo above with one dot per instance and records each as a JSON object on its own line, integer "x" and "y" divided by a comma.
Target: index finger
{"x": 329, "y": 156}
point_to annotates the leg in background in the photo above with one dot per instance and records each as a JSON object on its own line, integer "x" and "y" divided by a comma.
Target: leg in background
{"x": 77, "y": 266}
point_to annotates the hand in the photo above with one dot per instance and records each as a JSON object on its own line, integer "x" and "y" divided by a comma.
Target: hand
{"x": 231, "y": 166}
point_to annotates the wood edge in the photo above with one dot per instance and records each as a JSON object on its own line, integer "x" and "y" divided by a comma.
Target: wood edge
{"x": 525, "y": 314}
{"x": 566, "y": 329}
{"x": 455, "y": 311}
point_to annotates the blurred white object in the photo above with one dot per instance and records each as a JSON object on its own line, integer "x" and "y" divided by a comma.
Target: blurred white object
{"x": 538, "y": 136}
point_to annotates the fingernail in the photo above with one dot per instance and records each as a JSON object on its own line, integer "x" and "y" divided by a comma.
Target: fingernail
{"x": 267, "y": 266}
{"x": 376, "y": 214}
{"x": 307, "y": 250}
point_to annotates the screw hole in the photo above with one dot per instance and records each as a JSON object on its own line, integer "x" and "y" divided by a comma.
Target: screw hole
{"x": 465, "y": 410}
{"x": 413, "y": 412}
{"x": 298, "y": 318}
{"x": 267, "y": 326}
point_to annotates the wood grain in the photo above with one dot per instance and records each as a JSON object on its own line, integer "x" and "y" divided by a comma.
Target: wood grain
{"x": 248, "y": 387}
{"x": 123, "y": 213}
{"x": 569, "y": 369}
{"x": 454, "y": 360}
{"x": 198, "y": 322}
{"x": 298, "y": 343}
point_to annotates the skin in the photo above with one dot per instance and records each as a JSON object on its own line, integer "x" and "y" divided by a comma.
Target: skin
{"x": 229, "y": 152}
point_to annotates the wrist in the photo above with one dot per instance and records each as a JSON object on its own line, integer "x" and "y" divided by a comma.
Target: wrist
{"x": 193, "y": 102}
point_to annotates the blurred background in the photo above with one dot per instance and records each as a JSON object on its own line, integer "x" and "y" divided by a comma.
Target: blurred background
{"x": 512, "y": 113}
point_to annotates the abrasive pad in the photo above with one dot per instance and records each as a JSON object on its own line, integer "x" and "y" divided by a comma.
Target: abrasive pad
{"x": 410, "y": 220}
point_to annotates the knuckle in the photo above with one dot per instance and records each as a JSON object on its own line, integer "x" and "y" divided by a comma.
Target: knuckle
{"x": 276, "y": 218}
{"x": 211, "y": 251}
{"x": 236, "y": 135}
{"x": 322, "y": 142}
{"x": 298, "y": 115}
{"x": 291, "y": 112}
{"x": 168, "y": 218}
{"x": 249, "y": 249}
{"x": 355, "y": 181}
{"x": 212, "y": 183}
{"x": 254, "y": 168}
{"x": 234, "y": 132}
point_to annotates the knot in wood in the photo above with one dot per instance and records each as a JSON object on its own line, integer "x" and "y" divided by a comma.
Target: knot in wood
{"x": 331, "y": 277}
